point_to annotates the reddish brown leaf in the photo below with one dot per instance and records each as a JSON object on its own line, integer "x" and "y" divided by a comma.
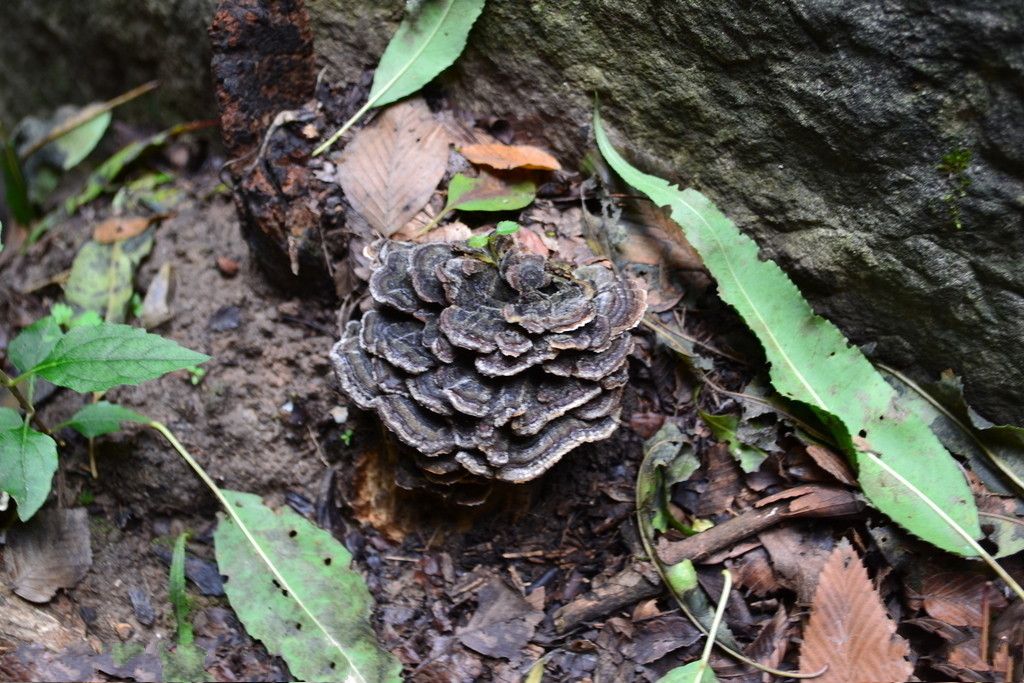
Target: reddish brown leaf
{"x": 507, "y": 157}
{"x": 957, "y": 598}
{"x": 833, "y": 463}
{"x": 849, "y": 630}
{"x": 120, "y": 228}
{"x": 391, "y": 167}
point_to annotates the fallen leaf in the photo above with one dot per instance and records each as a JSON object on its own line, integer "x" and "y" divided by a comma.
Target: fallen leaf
{"x": 849, "y": 630}
{"x": 488, "y": 192}
{"x": 50, "y": 552}
{"x": 957, "y": 598}
{"x": 156, "y": 305}
{"x": 502, "y": 625}
{"x": 392, "y": 166}
{"x": 120, "y": 228}
{"x": 102, "y": 275}
{"x": 833, "y": 463}
{"x": 507, "y": 157}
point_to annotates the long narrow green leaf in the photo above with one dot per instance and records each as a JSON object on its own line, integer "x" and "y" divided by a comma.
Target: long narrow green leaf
{"x": 427, "y": 42}
{"x": 813, "y": 363}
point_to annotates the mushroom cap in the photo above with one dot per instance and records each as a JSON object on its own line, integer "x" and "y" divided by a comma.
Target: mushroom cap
{"x": 490, "y": 369}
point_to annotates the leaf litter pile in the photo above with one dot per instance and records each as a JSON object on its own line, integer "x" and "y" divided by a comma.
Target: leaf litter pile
{"x": 752, "y": 440}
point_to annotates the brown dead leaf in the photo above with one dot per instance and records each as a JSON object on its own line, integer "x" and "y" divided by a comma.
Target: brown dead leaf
{"x": 50, "y": 552}
{"x": 769, "y": 648}
{"x": 507, "y": 157}
{"x": 753, "y": 571}
{"x": 957, "y": 598}
{"x": 120, "y": 228}
{"x": 392, "y": 167}
{"x": 833, "y": 463}
{"x": 849, "y": 630}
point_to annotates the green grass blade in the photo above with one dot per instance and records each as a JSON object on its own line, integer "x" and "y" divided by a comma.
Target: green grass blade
{"x": 813, "y": 363}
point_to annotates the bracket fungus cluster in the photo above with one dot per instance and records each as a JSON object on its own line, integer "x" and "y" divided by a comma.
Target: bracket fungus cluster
{"x": 493, "y": 363}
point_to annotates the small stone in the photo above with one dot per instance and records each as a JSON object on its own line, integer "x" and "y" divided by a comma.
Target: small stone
{"x": 228, "y": 267}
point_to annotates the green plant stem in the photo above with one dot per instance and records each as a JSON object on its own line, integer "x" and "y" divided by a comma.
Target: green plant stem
{"x": 354, "y": 674}
{"x": 348, "y": 124}
{"x": 982, "y": 553}
{"x": 30, "y": 411}
{"x": 705, "y": 656}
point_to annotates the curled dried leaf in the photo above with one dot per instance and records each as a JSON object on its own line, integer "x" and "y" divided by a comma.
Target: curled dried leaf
{"x": 507, "y": 157}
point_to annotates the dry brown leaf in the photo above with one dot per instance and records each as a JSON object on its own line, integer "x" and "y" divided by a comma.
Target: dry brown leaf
{"x": 392, "y": 167}
{"x": 833, "y": 463}
{"x": 957, "y": 598}
{"x": 849, "y": 630}
{"x": 507, "y": 157}
{"x": 120, "y": 228}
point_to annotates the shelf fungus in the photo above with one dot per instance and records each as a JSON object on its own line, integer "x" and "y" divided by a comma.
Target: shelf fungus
{"x": 493, "y": 363}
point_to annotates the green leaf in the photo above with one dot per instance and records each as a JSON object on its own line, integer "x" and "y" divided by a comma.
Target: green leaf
{"x": 689, "y": 673}
{"x": 488, "y": 193}
{"x": 100, "y": 179}
{"x": 75, "y": 145}
{"x": 813, "y": 363}
{"x": 96, "y": 358}
{"x": 34, "y": 343}
{"x": 62, "y": 314}
{"x": 477, "y": 241}
{"x": 723, "y": 428}
{"x": 97, "y": 419}
{"x": 15, "y": 187}
{"x": 103, "y": 275}
{"x": 427, "y": 42}
{"x": 28, "y": 460}
{"x": 506, "y": 228}
{"x": 312, "y": 609}
{"x": 10, "y": 419}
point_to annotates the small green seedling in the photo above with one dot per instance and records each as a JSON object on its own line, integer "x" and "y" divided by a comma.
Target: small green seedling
{"x": 487, "y": 241}
{"x": 83, "y": 354}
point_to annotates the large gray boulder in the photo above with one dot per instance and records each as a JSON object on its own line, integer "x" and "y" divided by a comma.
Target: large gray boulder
{"x": 876, "y": 150}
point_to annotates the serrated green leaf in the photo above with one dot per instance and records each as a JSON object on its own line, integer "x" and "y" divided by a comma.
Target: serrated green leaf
{"x": 488, "y": 193}
{"x": 103, "y": 275}
{"x": 98, "y": 357}
{"x": 97, "y": 419}
{"x": 318, "y": 618}
{"x": 813, "y": 363}
{"x": 427, "y": 42}
{"x": 28, "y": 460}
{"x": 9, "y": 419}
{"x": 724, "y": 428}
{"x": 34, "y": 343}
